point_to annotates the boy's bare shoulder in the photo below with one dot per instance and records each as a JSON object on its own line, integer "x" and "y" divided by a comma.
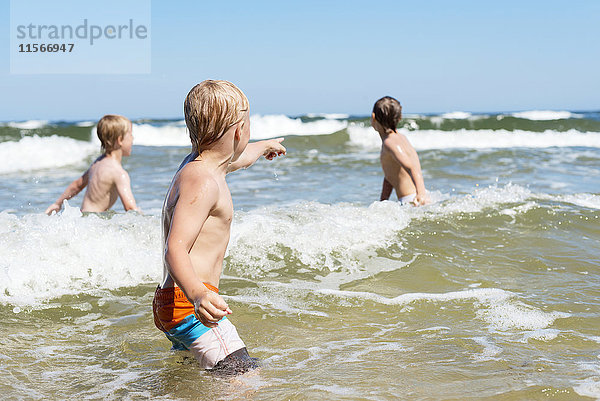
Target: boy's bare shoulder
{"x": 196, "y": 180}
{"x": 394, "y": 140}
{"x": 114, "y": 168}
{"x": 107, "y": 169}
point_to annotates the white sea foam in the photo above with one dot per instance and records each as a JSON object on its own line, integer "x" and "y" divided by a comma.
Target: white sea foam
{"x": 509, "y": 316}
{"x": 333, "y": 244}
{"x": 480, "y": 199}
{"x": 541, "y": 335}
{"x": 490, "y": 350}
{"x": 342, "y": 237}
{"x": 318, "y": 235}
{"x": 482, "y": 295}
{"x": 494, "y": 306}
{"x": 85, "y": 123}
{"x": 31, "y": 124}
{"x": 35, "y": 152}
{"x": 261, "y": 127}
{"x": 330, "y": 116}
{"x": 586, "y": 200}
{"x": 42, "y": 257}
{"x": 271, "y": 126}
{"x": 545, "y": 115}
{"x": 478, "y": 139}
{"x": 589, "y": 387}
{"x": 280, "y": 298}
{"x": 456, "y": 115}
{"x": 173, "y": 134}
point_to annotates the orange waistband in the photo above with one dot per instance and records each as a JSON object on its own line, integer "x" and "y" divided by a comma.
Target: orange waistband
{"x": 176, "y": 293}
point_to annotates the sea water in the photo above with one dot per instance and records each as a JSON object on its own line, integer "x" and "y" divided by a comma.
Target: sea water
{"x": 490, "y": 292}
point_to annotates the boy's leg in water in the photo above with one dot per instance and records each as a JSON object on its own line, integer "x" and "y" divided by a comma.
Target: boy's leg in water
{"x": 236, "y": 363}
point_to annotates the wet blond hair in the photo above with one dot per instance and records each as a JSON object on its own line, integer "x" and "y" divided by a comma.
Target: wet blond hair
{"x": 211, "y": 108}
{"x": 110, "y": 128}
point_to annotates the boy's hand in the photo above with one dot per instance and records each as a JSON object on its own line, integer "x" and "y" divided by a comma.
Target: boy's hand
{"x": 273, "y": 148}
{"x": 210, "y": 308}
{"x": 52, "y": 208}
{"x": 421, "y": 199}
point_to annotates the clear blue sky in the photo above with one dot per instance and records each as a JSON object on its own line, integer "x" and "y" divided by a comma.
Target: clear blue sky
{"x": 339, "y": 56}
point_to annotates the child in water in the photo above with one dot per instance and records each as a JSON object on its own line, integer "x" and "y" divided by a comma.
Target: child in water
{"x": 399, "y": 160}
{"x": 196, "y": 220}
{"x": 106, "y": 179}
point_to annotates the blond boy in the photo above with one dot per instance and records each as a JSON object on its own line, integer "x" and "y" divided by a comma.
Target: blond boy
{"x": 399, "y": 160}
{"x": 106, "y": 179}
{"x": 196, "y": 220}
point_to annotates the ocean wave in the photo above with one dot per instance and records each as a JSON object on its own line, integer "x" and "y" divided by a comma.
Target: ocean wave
{"x": 545, "y": 115}
{"x": 271, "y": 126}
{"x": 456, "y": 115}
{"x": 478, "y": 139}
{"x": 329, "y": 244}
{"x": 261, "y": 127}
{"x": 30, "y": 124}
{"x": 85, "y": 123}
{"x": 44, "y": 257}
{"x": 165, "y": 135}
{"x": 590, "y": 386}
{"x": 35, "y": 152}
{"x": 329, "y": 116}
{"x": 494, "y": 306}
{"x": 586, "y": 200}
{"x": 325, "y": 237}
{"x": 315, "y": 234}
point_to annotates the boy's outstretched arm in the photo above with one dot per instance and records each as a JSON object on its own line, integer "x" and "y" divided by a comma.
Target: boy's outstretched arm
{"x": 197, "y": 197}
{"x": 123, "y": 184}
{"x": 269, "y": 149}
{"x": 73, "y": 189}
{"x": 409, "y": 159}
{"x": 386, "y": 190}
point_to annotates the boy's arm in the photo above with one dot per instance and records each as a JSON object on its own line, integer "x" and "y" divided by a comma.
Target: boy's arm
{"x": 123, "y": 184}
{"x": 417, "y": 176}
{"x": 269, "y": 149}
{"x": 73, "y": 189}
{"x": 409, "y": 159}
{"x": 197, "y": 197}
{"x": 386, "y": 190}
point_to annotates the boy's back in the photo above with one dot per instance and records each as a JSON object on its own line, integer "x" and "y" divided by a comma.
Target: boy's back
{"x": 399, "y": 160}
{"x": 395, "y": 173}
{"x": 194, "y": 184}
{"x": 106, "y": 180}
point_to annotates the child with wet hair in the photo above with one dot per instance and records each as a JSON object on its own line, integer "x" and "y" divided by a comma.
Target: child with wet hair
{"x": 196, "y": 220}
{"x": 106, "y": 179}
{"x": 399, "y": 160}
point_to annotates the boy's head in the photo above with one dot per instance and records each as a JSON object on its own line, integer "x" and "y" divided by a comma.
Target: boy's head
{"x": 211, "y": 108}
{"x": 113, "y": 131}
{"x": 387, "y": 111}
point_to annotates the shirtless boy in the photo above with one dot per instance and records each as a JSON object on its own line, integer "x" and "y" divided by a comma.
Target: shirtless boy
{"x": 106, "y": 179}
{"x": 399, "y": 160}
{"x": 196, "y": 221}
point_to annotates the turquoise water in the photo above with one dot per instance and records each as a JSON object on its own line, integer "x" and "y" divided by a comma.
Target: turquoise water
{"x": 490, "y": 292}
